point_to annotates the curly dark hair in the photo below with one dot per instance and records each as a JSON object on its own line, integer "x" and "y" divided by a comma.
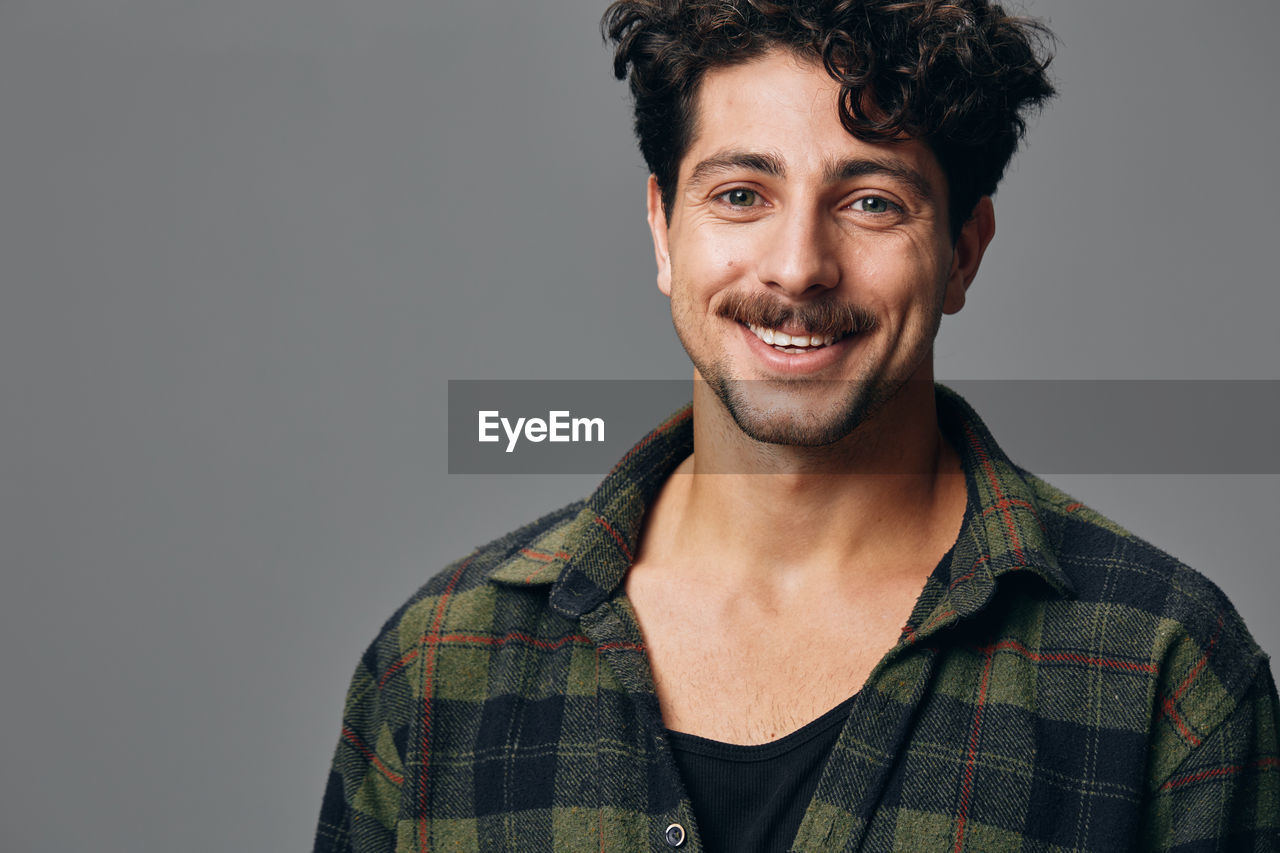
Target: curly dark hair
{"x": 960, "y": 75}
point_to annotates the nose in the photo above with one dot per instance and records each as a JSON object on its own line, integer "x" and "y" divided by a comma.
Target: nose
{"x": 797, "y": 256}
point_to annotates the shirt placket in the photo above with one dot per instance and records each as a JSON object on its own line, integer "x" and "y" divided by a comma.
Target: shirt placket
{"x": 671, "y": 824}
{"x": 882, "y": 716}
{"x": 854, "y": 776}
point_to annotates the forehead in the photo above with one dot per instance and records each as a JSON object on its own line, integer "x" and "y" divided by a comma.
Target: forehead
{"x": 787, "y": 105}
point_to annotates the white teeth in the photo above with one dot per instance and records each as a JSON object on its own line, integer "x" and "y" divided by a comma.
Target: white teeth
{"x": 791, "y": 343}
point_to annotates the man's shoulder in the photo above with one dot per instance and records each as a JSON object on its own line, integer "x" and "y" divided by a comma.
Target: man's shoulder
{"x": 1127, "y": 593}
{"x": 464, "y": 597}
{"x": 1117, "y": 592}
{"x": 1106, "y": 561}
{"x": 525, "y": 553}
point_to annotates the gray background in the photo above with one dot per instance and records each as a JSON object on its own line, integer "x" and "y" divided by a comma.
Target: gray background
{"x": 245, "y": 244}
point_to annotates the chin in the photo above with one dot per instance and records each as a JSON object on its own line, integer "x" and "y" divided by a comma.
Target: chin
{"x": 799, "y": 413}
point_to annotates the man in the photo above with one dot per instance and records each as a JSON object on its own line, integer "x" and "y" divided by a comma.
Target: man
{"x": 819, "y": 609}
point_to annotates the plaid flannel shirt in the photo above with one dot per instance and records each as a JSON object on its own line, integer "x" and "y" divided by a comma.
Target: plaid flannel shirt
{"x": 1060, "y": 686}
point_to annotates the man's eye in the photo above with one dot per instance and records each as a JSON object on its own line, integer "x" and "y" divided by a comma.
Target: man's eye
{"x": 740, "y": 197}
{"x": 874, "y": 204}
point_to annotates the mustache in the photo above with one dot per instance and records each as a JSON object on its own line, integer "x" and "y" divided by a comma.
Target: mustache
{"x": 821, "y": 317}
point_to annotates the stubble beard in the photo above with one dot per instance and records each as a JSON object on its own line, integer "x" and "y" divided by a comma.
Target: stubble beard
{"x": 800, "y": 412}
{"x": 797, "y": 412}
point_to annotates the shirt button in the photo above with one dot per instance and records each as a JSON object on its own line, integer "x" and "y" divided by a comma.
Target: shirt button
{"x": 675, "y": 835}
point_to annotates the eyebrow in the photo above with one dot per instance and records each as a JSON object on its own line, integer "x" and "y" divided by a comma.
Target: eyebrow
{"x": 729, "y": 161}
{"x": 769, "y": 163}
{"x": 847, "y": 169}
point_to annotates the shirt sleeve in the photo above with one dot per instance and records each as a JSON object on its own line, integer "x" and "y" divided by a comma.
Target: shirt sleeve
{"x": 1225, "y": 795}
{"x": 361, "y": 804}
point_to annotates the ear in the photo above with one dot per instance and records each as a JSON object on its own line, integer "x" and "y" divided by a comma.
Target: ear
{"x": 658, "y": 228}
{"x": 975, "y": 236}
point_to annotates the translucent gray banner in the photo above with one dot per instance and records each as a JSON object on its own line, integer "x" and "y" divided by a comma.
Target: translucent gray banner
{"x": 1048, "y": 427}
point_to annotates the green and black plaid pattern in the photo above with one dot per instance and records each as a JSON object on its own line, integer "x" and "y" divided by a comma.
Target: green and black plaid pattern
{"x": 1060, "y": 686}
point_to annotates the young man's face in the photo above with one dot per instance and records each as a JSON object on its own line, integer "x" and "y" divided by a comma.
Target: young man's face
{"x": 784, "y": 223}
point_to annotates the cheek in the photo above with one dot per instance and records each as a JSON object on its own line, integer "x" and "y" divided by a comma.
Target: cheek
{"x": 709, "y": 266}
{"x": 899, "y": 279}
{"x": 724, "y": 254}
{"x": 881, "y": 283}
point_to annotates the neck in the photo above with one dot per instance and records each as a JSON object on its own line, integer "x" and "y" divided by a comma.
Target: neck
{"x": 889, "y": 495}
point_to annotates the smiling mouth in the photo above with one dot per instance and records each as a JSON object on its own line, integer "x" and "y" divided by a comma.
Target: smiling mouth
{"x": 794, "y": 344}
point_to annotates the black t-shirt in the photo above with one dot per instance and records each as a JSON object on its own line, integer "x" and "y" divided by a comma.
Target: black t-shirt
{"x": 752, "y": 798}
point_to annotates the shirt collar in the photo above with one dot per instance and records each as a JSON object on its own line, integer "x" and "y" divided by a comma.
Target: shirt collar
{"x": 585, "y": 556}
{"x": 1003, "y": 531}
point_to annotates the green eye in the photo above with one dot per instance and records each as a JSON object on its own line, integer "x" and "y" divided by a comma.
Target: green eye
{"x": 873, "y": 204}
{"x": 740, "y": 197}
